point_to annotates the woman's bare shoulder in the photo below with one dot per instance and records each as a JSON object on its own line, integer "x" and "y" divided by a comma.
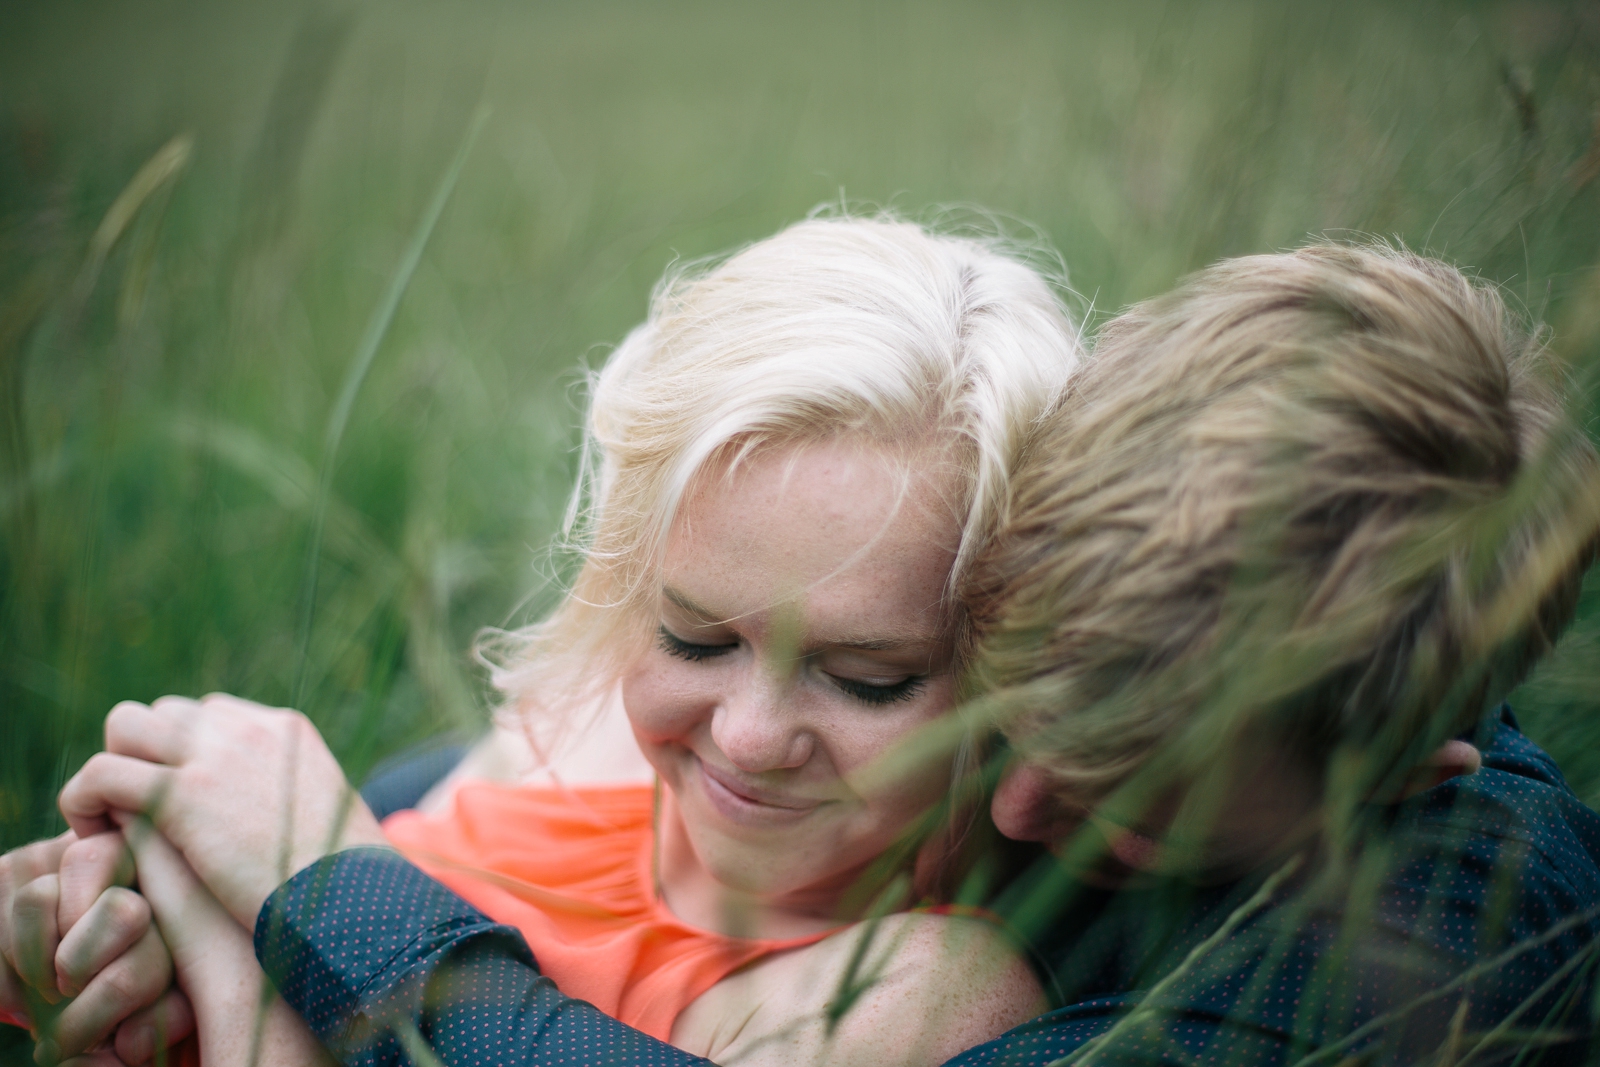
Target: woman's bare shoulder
{"x": 592, "y": 745}
{"x": 912, "y": 989}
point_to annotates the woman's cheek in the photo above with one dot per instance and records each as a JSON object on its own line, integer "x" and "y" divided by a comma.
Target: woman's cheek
{"x": 664, "y": 699}
{"x": 927, "y": 783}
{"x": 879, "y": 737}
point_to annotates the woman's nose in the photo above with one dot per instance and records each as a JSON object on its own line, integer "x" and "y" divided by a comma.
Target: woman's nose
{"x": 757, "y": 730}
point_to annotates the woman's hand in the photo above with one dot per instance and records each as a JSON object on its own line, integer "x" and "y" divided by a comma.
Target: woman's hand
{"x": 216, "y": 963}
{"x": 26, "y": 958}
{"x": 69, "y": 928}
{"x": 248, "y": 794}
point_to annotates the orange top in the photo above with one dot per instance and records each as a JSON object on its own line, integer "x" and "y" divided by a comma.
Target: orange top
{"x": 573, "y": 869}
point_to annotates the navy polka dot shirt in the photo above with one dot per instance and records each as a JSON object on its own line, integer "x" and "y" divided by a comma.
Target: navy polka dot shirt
{"x": 1469, "y": 935}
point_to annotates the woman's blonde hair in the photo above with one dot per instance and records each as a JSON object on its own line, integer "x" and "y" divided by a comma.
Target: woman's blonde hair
{"x": 873, "y": 328}
{"x": 1331, "y": 489}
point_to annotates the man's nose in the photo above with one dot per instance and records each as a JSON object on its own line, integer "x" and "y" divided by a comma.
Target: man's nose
{"x": 757, "y": 730}
{"x": 1029, "y": 806}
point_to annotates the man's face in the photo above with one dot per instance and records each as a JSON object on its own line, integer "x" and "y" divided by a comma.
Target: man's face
{"x": 1029, "y": 805}
{"x": 1268, "y": 801}
{"x": 1264, "y": 802}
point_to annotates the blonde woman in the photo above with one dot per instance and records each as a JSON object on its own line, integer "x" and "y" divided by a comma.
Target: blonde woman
{"x": 789, "y": 467}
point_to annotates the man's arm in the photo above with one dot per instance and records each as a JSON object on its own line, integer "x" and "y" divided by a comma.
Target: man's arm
{"x": 390, "y": 968}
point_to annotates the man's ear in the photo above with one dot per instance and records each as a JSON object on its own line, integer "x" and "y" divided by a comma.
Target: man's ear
{"x": 1447, "y": 761}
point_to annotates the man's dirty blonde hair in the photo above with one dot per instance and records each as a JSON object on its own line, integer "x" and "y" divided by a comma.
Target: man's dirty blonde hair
{"x": 1332, "y": 491}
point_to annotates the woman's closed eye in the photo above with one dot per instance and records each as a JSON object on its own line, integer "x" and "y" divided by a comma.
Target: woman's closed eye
{"x": 876, "y": 694}
{"x": 673, "y": 645}
{"x": 872, "y": 693}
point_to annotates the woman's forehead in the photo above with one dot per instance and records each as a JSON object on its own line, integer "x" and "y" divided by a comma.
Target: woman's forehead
{"x": 848, "y": 532}
{"x": 866, "y": 631}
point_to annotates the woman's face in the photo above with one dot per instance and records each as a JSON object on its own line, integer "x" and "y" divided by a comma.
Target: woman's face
{"x": 800, "y": 635}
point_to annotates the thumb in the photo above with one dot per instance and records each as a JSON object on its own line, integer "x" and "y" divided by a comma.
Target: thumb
{"x": 190, "y": 917}
{"x": 213, "y": 954}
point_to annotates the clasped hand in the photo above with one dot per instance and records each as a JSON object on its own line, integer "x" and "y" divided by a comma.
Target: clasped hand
{"x": 81, "y": 951}
{"x": 237, "y": 797}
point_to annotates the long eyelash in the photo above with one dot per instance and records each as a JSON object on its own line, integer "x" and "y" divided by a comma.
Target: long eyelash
{"x": 673, "y": 645}
{"x": 868, "y": 693}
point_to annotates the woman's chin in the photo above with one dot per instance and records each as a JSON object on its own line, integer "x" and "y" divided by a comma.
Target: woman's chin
{"x": 771, "y": 868}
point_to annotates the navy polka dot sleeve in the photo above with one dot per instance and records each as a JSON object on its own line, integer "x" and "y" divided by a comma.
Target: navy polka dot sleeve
{"x": 389, "y": 967}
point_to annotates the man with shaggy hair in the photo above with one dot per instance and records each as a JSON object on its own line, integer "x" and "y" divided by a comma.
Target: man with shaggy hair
{"x": 1301, "y": 526}
{"x": 1266, "y": 576}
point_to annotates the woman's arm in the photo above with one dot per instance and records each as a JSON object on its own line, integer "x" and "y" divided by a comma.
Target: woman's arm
{"x": 911, "y": 991}
{"x": 241, "y": 1022}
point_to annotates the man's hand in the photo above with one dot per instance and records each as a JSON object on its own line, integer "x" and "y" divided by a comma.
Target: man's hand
{"x": 69, "y": 928}
{"x": 248, "y": 794}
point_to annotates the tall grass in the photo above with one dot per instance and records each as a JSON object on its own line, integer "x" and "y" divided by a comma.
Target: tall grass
{"x": 175, "y": 328}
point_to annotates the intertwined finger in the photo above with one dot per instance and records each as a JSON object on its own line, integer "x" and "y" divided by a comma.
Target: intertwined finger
{"x": 35, "y": 935}
{"x": 22, "y": 865}
{"x": 116, "y": 922}
{"x": 135, "y": 980}
{"x": 89, "y": 867}
{"x": 158, "y": 732}
{"x": 160, "y": 1026}
{"x": 19, "y": 867}
{"x": 109, "y": 783}
{"x": 185, "y": 910}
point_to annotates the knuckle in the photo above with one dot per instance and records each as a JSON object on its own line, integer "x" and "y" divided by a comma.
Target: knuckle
{"x": 97, "y": 764}
{"x": 95, "y": 861}
{"x": 17, "y": 861}
{"x": 31, "y": 860}
{"x": 122, "y": 722}
{"x": 38, "y": 897}
{"x": 125, "y": 909}
{"x": 303, "y": 733}
{"x": 125, "y": 986}
{"x": 92, "y": 849}
{"x": 122, "y": 709}
{"x": 153, "y": 961}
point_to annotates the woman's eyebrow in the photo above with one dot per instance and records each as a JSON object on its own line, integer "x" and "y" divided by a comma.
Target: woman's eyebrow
{"x": 882, "y": 644}
{"x": 700, "y": 614}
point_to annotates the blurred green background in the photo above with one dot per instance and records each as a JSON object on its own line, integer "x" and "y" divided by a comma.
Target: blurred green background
{"x": 166, "y": 386}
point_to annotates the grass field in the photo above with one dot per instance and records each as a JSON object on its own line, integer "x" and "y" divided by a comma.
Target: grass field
{"x": 168, "y": 371}
{"x": 167, "y": 387}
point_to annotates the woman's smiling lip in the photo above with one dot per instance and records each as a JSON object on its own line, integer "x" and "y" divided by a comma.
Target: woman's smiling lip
{"x": 740, "y": 802}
